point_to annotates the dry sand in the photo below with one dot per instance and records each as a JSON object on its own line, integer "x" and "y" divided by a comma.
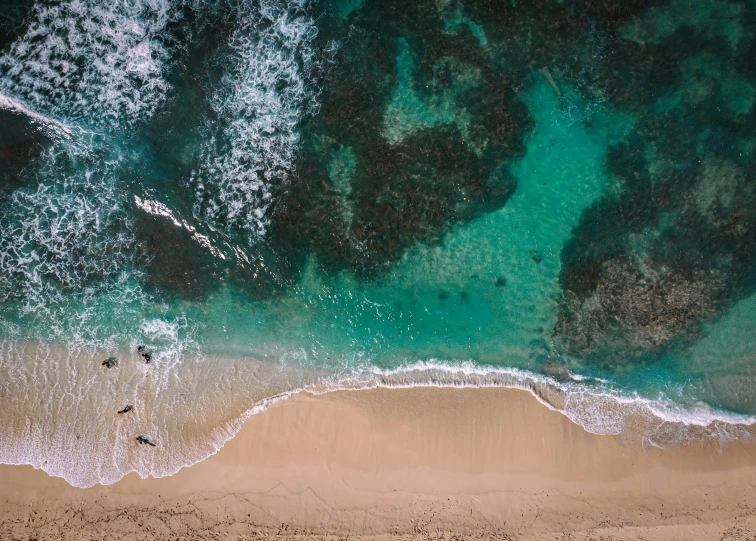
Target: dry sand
{"x": 407, "y": 464}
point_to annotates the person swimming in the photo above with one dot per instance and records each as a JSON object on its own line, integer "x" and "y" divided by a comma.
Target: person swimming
{"x": 127, "y": 409}
{"x": 145, "y": 354}
{"x": 110, "y": 362}
{"x": 145, "y": 440}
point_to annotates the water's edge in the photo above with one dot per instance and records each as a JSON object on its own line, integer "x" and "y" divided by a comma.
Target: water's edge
{"x": 591, "y": 404}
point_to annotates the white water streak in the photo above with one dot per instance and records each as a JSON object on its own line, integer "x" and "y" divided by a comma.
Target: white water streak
{"x": 263, "y": 97}
{"x": 91, "y": 62}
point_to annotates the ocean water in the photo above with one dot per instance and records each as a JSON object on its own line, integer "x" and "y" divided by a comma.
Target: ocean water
{"x": 279, "y": 195}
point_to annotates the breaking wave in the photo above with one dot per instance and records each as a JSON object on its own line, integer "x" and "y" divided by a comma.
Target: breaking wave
{"x": 72, "y": 270}
{"x": 264, "y": 95}
{"x": 83, "y": 61}
{"x": 594, "y": 404}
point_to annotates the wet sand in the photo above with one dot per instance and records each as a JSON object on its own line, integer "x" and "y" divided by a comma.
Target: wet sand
{"x": 410, "y": 464}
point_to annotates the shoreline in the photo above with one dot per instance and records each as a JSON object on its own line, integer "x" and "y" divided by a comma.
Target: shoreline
{"x": 192, "y": 405}
{"x": 413, "y": 462}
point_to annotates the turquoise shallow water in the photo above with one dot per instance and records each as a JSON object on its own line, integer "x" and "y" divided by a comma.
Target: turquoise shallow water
{"x": 273, "y": 195}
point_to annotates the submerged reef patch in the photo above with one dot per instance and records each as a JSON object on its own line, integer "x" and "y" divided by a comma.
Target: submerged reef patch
{"x": 674, "y": 245}
{"x": 21, "y": 142}
{"x": 420, "y": 118}
{"x": 429, "y": 121}
{"x": 280, "y": 195}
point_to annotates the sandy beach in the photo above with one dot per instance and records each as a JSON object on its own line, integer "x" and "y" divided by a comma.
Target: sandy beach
{"x": 407, "y": 463}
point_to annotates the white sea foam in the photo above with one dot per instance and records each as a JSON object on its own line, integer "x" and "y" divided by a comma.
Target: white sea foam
{"x": 156, "y": 208}
{"x": 263, "y": 97}
{"x": 52, "y": 126}
{"x": 58, "y": 404}
{"x": 87, "y": 61}
{"x": 65, "y": 237}
{"x": 591, "y": 403}
{"x": 191, "y": 406}
{"x": 169, "y": 339}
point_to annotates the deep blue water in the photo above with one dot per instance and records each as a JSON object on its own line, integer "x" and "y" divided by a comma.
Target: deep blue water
{"x": 279, "y": 195}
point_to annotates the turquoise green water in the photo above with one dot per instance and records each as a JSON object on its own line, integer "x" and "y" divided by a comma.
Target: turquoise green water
{"x": 270, "y": 196}
{"x": 443, "y": 301}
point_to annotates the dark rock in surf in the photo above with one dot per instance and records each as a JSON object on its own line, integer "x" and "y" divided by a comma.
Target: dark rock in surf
{"x": 556, "y": 370}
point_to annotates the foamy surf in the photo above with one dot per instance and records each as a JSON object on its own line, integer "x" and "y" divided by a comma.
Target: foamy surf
{"x": 263, "y": 96}
{"x": 108, "y": 235}
{"x": 190, "y": 405}
{"x": 52, "y": 126}
{"x": 64, "y": 238}
{"x": 592, "y": 403}
{"x": 85, "y": 62}
{"x": 60, "y": 408}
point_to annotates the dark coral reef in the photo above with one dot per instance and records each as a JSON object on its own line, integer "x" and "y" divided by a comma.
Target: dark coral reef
{"x": 425, "y": 117}
{"x": 675, "y": 245}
